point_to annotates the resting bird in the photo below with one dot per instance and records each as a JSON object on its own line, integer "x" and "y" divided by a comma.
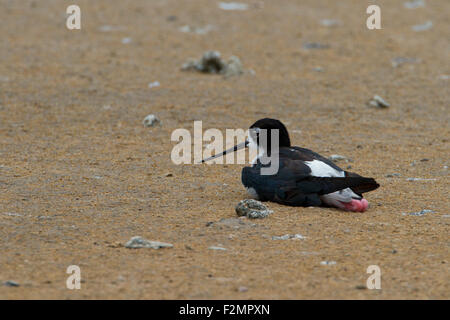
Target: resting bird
{"x": 304, "y": 177}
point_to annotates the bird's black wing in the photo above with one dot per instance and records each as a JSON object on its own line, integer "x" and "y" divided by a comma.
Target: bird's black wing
{"x": 309, "y": 155}
{"x": 293, "y": 185}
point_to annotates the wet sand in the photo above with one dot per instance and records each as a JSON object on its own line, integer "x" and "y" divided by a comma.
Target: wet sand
{"x": 80, "y": 175}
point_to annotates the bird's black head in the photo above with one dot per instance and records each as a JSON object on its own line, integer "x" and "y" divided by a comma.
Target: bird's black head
{"x": 255, "y": 132}
{"x": 269, "y": 125}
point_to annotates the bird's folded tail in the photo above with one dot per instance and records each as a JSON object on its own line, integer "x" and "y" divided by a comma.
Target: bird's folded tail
{"x": 325, "y": 185}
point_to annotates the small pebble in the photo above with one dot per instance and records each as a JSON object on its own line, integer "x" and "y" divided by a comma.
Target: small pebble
{"x": 315, "y": 45}
{"x": 398, "y": 61}
{"x": 139, "y": 242}
{"x": 327, "y": 263}
{"x": 233, "y": 67}
{"x": 289, "y": 236}
{"x": 228, "y": 6}
{"x": 252, "y": 209}
{"x": 10, "y": 283}
{"x": 391, "y": 175}
{"x": 329, "y": 22}
{"x": 379, "y": 102}
{"x": 420, "y": 213}
{"x": 154, "y": 84}
{"x": 127, "y": 40}
{"x": 360, "y": 287}
{"x": 336, "y": 157}
{"x": 318, "y": 69}
{"x": 151, "y": 120}
{"x": 242, "y": 289}
{"x": 211, "y": 62}
{"x": 414, "y": 4}
{"x": 422, "y": 27}
{"x": 217, "y": 248}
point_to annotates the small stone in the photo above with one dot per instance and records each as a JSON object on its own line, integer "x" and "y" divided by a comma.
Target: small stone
{"x": 197, "y": 30}
{"x": 127, "y": 40}
{"x": 139, "y": 242}
{"x": 233, "y": 67}
{"x": 398, "y": 61}
{"x": 329, "y": 22}
{"x": 419, "y": 179}
{"x": 422, "y": 27}
{"x": 414, "y": 4}
{"x": 169, "y": 174}
{"x": 318, "y": 69}
{"x": 420, "y": 213}
{"x": 391, "y": 175}
{"x": 289, "y": 236}
{"x": 229, "y": 6}
{"x": 379, "y": 102}
{"x": 315, "y": 46}
{"x": 151, "y": 120}
{"x": 336, "y": 157}
{"x": 360, "y": 287}
{"x": 154, "y": 84}
{"x": 11, "y": 283}
{"x": 171, "y": 18}
{"x": 252, "y": 209}
{"x": 211, "y": 62}
{"x": 217, "y": 248}
{"x": 327, "y": 263}
{"x": 242, "y": 289}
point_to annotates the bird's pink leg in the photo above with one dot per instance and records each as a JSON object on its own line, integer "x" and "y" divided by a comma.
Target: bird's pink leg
{"x": 356, "y": 205}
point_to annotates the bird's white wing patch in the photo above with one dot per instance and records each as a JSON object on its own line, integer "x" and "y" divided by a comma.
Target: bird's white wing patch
{"x": 321, "y": 169}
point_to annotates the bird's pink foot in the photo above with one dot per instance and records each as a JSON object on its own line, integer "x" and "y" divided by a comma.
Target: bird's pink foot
{"x": 356, "y": 205}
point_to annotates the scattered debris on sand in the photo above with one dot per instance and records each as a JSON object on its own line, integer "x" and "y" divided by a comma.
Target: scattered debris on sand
{"x": 233, "y": 223}
{"x": 378, "y": 102}
{"x": 252, "y": 209}
{"x": 151, "y": 120}
{"x": 422, "y": 27}
{"x": 139, "y": 242}
{"x": 230, "y": 6}
{"x": 10, "y": 283}
{"x": 392, "y": 175}
{"x": 242, "y": 289}
{"x": 217, "y": 248}
{"x": 420, "y": 179}
{"x": 296, "y": 236}
{"x": 337, "y": 158}
{"x": 197, "y": 30}
{"x": 414, "y": 4}
{"x": 315, "y": 45}
{"x": 419, "y": 213}
{"x": 328, "y": 263}
{"x": 398, "y": 61}
{"x": 211, "y": 62}
{"x": 329, "y": 22}
{"x": 154, "y": 84}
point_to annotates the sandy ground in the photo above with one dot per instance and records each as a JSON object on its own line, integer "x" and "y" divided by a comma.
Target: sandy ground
{"x": 80, "y": 175}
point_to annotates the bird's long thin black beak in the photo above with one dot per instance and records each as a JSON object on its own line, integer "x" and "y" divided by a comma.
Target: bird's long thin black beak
{"x": 235, "y": 148}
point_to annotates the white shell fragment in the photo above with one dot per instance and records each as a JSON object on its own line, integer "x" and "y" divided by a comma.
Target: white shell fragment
{"x": 151, "y": 120}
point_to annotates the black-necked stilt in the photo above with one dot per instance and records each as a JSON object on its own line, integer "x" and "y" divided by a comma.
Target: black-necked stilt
{"x": 304, "y": 178}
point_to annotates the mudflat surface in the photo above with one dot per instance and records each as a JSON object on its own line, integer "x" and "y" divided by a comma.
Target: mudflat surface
{"x": 80, "y": 175}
